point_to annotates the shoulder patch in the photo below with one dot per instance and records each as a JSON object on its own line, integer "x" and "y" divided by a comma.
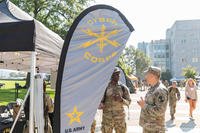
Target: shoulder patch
{"x": 161, "y": 99}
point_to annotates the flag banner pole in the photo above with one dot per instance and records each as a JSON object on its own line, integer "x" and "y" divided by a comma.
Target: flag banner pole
{"x": 90, "y": 52}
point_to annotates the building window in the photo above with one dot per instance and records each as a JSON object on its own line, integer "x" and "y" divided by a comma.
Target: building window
{"x": 183, "y": 41}
{"x": 183, "y": 60}
{"x": 160, "y": 47}
{"x": 155, "y": 47}
{"x": 194, "y": 60}
{"x": 163, "y": 55}
{"x": 167, "y": 47}
{"x": 167, "y": 55}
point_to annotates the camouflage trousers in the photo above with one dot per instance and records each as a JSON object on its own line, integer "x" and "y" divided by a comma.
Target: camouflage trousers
{"x": 93, "y": 126}
{"x": 172, "y": 109}
{"x": 156, "y": 131}
{"x": 108, "y": 124}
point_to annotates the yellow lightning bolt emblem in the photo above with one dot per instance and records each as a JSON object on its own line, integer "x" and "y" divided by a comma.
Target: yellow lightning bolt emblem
{"x": 75, "y": 116}
{"x": 101, "y": 38}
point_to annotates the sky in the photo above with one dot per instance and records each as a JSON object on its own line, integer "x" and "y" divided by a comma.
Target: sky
{"x": 151, "y": 18}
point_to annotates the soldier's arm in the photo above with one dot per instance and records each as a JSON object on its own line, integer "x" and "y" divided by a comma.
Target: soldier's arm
{"x": 178, "y": 94}
{"x": 50, "y": 104}
{"x": 104, "y": 97}
{"x": 101, "y": 105}
{"x": 169, "y": 89}
{"x": 160, "y": 104}
{"x": 126, "y": 96}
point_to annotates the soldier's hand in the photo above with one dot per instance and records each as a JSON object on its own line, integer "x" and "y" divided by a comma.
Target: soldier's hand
{"x": 141, "y": 102}
{"x": 118, "y": 98}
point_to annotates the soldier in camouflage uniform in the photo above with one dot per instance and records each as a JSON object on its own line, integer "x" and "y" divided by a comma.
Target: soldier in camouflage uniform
{"x": 166, "y": 83}
{"x": 174, "y": 95}
{"x": 153, "y": 107}
{"x": 116, "y": 96}
{"x": 48, "y": 108}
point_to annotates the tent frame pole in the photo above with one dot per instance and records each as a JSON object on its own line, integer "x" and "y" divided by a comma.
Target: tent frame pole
{"x": 20, "y": 110}
{"x": 31, "y": 114}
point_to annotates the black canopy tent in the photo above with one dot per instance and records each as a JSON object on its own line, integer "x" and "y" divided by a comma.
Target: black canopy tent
{"x": 20, "y": 34}
{"x": 15, "y": 34}
{"x": 27, "y": 45}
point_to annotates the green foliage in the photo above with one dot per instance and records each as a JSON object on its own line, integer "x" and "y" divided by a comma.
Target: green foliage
{"x": 8, "y": 95}
{"x": 121, "y": 62}
{"x": 10, "y": 84}
{"x": 133, "y": 61}
{"x": 166, "y": 75}
{"x": 189, "y": 72}
{"x": 57, "y": 15}
{"x": 7, "y": 92}
{"x": 142, "y": 63}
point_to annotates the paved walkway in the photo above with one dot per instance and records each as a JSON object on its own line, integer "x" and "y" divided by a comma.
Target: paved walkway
{"x": 182, "y": 123}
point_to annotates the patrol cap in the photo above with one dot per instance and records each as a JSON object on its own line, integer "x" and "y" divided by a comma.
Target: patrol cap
{"x": 116, "y": 70}
{"x": 154, "y": 70}
{"x": 174, "y": 81}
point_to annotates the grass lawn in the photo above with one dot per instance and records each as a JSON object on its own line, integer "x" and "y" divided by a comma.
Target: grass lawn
{"x": 7, "y": 92}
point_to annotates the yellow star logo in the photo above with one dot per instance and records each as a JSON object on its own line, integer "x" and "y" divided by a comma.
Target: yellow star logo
{"x": 75, "y": 116}
{"x": 101, "y": 38}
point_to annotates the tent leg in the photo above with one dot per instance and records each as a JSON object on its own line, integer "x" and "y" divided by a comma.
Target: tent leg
{"x": 39, "y": 107}
{"x": 31, "y": 115}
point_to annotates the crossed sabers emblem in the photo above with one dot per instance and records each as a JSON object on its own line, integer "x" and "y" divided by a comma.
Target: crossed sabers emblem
{"x": 101, "y": 38}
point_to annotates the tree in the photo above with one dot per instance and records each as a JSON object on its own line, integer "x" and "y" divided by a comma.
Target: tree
{"x": 166, "y": 75}
{"x": 126, "y": 68}
{"x": 142, "y": 63}
{"x": 189, "y": 72}
{"x": 57, "y": 15}
{"x": 133, "y": 61}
